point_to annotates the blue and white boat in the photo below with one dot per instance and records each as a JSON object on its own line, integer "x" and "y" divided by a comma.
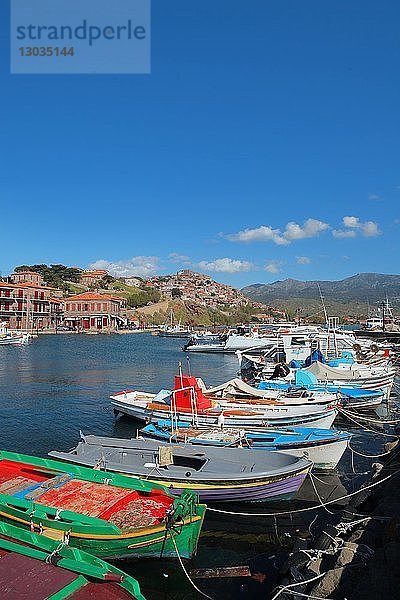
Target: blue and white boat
{"x": 361, "y": 385}
{"x": 324, "y": 447}
{"x": 351, "y": 395}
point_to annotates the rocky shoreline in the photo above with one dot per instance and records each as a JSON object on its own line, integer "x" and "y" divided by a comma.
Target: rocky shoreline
{"x": 356, "y": 555}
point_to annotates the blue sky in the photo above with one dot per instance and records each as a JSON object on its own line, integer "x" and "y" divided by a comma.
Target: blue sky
{"x": 263, "y": 145}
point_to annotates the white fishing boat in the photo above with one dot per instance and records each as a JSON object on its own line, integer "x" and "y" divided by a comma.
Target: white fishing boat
{"x": 324, "y": 447}
{"x": 11, "y": 338}
{"x": 188, "y": 402}
{"x": 369, "y": 378}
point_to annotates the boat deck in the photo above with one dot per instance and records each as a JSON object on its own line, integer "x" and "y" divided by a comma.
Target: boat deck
{"x": 124, "y": 507}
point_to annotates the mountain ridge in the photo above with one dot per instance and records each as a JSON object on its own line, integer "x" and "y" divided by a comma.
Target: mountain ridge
{"x": 351, "y": 294}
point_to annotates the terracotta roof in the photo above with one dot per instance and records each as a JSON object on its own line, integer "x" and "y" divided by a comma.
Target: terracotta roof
{"x": 27, "y": 273}
{"x": 90, "y": 296}
{"x": 26, "y": 284}
{"x": 94, "y": 272}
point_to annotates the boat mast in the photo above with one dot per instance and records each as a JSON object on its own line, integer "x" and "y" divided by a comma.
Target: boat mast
{"x": 323, "y": 304}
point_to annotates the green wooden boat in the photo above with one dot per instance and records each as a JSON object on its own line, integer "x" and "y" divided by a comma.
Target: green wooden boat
{"x": 34, "y": 567}
{"x": 106, "y": 514}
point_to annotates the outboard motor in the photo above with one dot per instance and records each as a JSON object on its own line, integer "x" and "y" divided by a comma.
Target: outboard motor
{"x": 192, "y": 342}
{"x": 280, "y": 371}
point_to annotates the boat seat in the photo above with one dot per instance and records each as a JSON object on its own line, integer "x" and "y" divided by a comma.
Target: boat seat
{"x": 54, "y": 482}
{"x": 17, "y": 486}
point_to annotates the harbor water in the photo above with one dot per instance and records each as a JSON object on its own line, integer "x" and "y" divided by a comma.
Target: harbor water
{"x": 59, "y": 385}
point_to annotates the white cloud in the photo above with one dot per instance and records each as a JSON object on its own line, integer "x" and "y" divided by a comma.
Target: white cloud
{"x": 374, "y": 197}
{"x": 226, "y": 265}
{"x": 303, "y": 260}
{"x": 310, "y": 228}
{"x": 341, "y": 233}
{"x": 140, "y": 266}
{"x": 272, "y": 267}
{"x": 351, "y": 222}
{"x": 370, "y": 229}
{"x": 179, "y": 258}
{"x": 354, "y": 225}
{"x": 293, "y": 231}
{"x": 259, "y": 234}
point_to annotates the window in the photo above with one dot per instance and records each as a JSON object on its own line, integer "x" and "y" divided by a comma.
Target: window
{"x": 73, "y": 306}
{"x": 67, "y": 307}
{"x": 79, "y": 306}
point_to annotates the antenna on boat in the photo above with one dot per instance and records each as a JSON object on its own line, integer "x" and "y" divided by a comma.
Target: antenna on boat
{"x": 323, "y": 303}
{"x": 180, "y": 373}
{"x": 188, "y": 364}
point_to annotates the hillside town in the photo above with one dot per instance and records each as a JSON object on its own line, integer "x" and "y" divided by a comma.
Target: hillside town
{"x": 100, "y": 302}
{"x": 196, "y": 287}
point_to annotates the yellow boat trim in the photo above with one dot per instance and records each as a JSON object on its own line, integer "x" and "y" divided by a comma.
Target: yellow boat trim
{"x": 148, "y": 543}
{"x": 50, "y": 532}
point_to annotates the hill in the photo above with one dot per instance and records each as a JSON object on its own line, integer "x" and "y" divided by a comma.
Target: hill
{"x": 347, "y": 296}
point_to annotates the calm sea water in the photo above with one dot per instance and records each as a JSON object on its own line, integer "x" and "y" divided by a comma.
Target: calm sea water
{"x": 60, "y": 384}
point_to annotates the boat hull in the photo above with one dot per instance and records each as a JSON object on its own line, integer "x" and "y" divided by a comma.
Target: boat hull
{"x": 267, "y": 490}
{"x": 149, "y": 544}
{"x": 278, "y": 417}
{"x": 94, "y": 534}
{"x": 324, "y": 453}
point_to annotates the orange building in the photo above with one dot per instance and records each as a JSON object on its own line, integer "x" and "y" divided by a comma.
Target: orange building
{"x": 27, "y": 277}
{"x": 93, "y": 312}
{"x": 92, "y": 277}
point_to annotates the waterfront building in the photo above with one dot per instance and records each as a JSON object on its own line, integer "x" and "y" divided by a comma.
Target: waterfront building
{"x": 29, "y": 306}
{"x": 92, "y": 311}
{"x": 93, "y": 276}
{"x": 27, "y": 277}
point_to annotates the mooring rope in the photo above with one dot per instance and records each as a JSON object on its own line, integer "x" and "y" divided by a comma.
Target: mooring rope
{"x": 379, "y": 421}
{"x": 292, "y": 585}
{"x": 309, "y": 508}
{"x": 185, "y": 571}
{"x": 368, "y": 428}
{"x": 369, "y": 455}
{"x": 318, "y": 496}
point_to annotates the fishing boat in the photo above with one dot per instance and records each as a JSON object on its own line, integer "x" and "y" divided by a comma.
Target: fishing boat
{"x": 109, "y": 515}
{"x": 369, "y": 378}
{"x": 227, "y": 343}
{"x": 172, "y": 330}
{"x": 351, "y": 396}
{"x": 214, "y": 474}
{"x": 188, "y": 402}
{"x": 324, "y": 447}
{"x": 11, "y": 338}
{"x": 294, "y": 340}
{"x": 35, "y": 567}
{"x": 343, "y": 371}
